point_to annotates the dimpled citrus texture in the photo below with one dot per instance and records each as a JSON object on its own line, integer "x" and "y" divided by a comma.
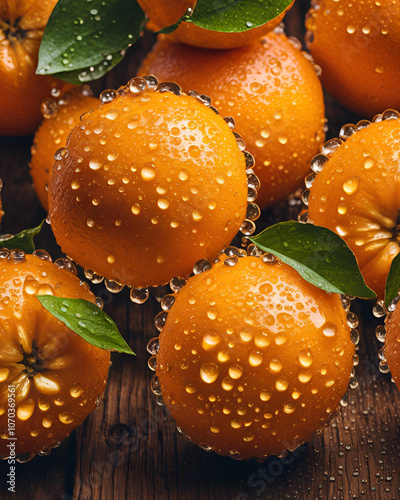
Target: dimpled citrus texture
{"x": 22, "y": 24}
{"x": 54, "y": 399}
{"x": 163, "y": 13}
{"x": 253, "y": 359}
{"x": 152, "y": 183}
{"x": 357, "y": 45}
{"x": 52, "y": 135}
{"x": 272, "y": 92}
{"x": 357, "y": 196}
{"x": 392, "y": 344}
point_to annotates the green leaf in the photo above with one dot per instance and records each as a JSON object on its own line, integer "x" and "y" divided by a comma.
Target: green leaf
{"x": 233, "y": 16}
{"x": 318, "y": 254}
{"x": 88, "y": 321}
{"x": 22, "y": 241}
{"x": 393, "y": 281}
{"x": 88, "y": 37}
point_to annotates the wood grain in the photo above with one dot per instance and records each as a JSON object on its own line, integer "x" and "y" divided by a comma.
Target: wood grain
{"x": 129, "y": 447}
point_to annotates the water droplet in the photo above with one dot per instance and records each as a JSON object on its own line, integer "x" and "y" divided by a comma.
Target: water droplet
{"x": 65, "y": 418}
{"x": 163, "y": 203}
{"x": 281, "y": 384}
{"x": 304, "y": 377}
{"x": 190, "y": 389}
{"x": 275, "y": 365}
{"x": 289, "y": 408}
{"x": 329, "y": 329}
{"x": 265, "y": 395}
{"x": 209, "y": 372}
{"x": 25, "y": 409}
{"x": 95, "y": 164}
{"x": 148, "y": 172}
{"x": 76, "y": 390}
{"x": 235, "y": 371}
{"x": 306, "y": 358}
{"x": 227, "y": 384}
{"x": 210, "y": 340}
{"x": 223, "y": 356}
{"x": 255, "y": 358}
{"x": 137, "y": 85}
{"x": 135, "y": 209}
{"x": 350, "y": 186}
{"x": 107, "y": 96}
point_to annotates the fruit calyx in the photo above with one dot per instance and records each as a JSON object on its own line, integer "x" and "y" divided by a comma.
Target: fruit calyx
{"x": 12, "y": 32}
{"x": 33, "y": 362}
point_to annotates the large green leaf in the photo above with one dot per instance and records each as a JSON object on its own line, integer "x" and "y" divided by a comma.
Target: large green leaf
{"x": 88, "y": 321}
{"x": 318, "y": 254}
{"x": 393, "y": 281}
{"x": 232, "y": 16}
{"x": 88, "y": 37}
{"x": 22, "y": 241}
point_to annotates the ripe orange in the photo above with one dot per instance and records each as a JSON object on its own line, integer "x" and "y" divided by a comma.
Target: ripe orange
{"x": 357, "y": 46}
{"x": 163, "y": 13}
{"x": 21, "y": 29}
{"x": 356, "y": 194}
{"x": 270, "y": 89}
{"x": 61, "y": 115}
{"x": 51, "y": 375}
{"x": 252, "y": 360}
{"x": 149, "y": 183}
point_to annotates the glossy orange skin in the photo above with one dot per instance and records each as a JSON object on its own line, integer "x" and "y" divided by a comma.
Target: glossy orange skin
{"x": 73, "y": 373}
{"x": 357, "y": 196}
{"x": 168, "y": 188}
{"x": 392, "y": 345}
{"x": 163, "y": 13}
{"x": 358, "y": 49}
{"x": 244, "y": 364}
{"x": 22, "y": 23}
{"x": 271, "y": 91}
{"x": 52, "y": 135}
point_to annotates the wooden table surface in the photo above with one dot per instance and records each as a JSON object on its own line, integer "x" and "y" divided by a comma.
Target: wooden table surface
{"x": 129, "y": 447}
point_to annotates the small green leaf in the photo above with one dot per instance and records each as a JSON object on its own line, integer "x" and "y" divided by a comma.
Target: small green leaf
{"x": 84, "y": 39}
{"x": 233, "y": 16}
{"x": 22, "y": 241}
{"x": 88, "y": 321}
{"x": 318, "y": 254}
{"x": 393, "y": 281}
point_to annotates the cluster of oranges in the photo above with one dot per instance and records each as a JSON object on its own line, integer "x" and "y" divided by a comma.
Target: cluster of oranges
{"x": 148, "y": 184}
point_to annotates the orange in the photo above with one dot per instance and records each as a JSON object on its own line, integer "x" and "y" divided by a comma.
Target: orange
{"x": 22, "y": 24}
{"x": 252, "y": 360}
{"x": 391, "y": 348}
{"x": 163, "y": 13}
{"x": 357, "y": 194}
{"x": 357, "y": 46}
{"x": 149, "y": 183}
{"x": 272, "y": 92}
{"x": 61, "y": 115}
{"x": 50, "y": 378}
